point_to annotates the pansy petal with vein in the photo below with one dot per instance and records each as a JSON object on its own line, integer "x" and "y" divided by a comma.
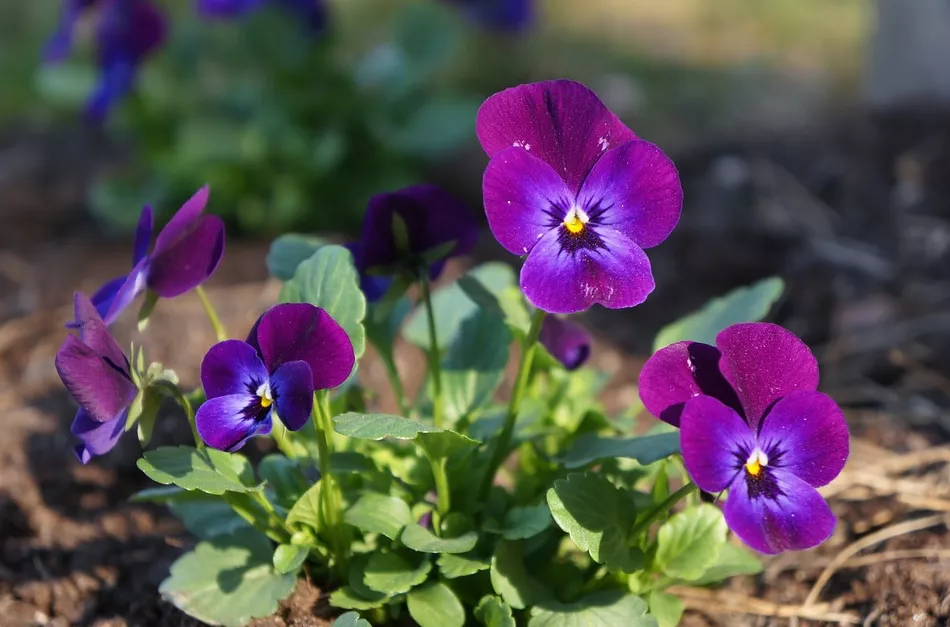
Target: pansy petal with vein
{"x": 568, "y": 342}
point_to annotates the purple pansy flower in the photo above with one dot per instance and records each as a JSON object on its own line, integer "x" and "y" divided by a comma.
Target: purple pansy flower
{"x": 373, "y": 286}
{"x": 127, "y": 32}
{"x": 97, "y": 373}
{"x": 502, "y": 15}
{"x": 567, "y": 342}
{"x": 313, "y": 13}
{"x": 572, "y": 188}
{"x": 752, "y": 421}
{"x": 185, "y": 254}
{"x": 292, "y": 350}
{"x": 417, "y": 226}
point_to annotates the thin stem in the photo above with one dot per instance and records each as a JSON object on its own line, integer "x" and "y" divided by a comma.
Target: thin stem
{"x": 392, "y": 373}
{"x": 663, "y": 508}
{"x": 282, "y": 440}
{"x": 328, "y": 494}
{"x": 444, "y": 497}
{"x": 435, "y": 368}
{"x": 184, "y": 401}
{"x": 219, "y": 331}
{"x": 514, "y": 405}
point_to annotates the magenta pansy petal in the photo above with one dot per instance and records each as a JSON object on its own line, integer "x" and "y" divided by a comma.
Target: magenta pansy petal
{"x": 809, "y": 431}
{"x": 710, "y": 436}
{"x": 143, "y": 235}
{"x": 302, "y": 332}
{"x": 231, "y": 367}
{"x": 561, "y": 122}
{"x": 638, "y": 191}
{"x": 765, "y": 362}
{"x": 559, "y": 280}
{"x": 797, "y": 518}
{"x": 521, "y": 193}
{"x": 227, "y": 422}
{"x": 95, "y": 334}
{"x": 567, "y": 342}
{"x": 292, "y": 387}
{"x": 188, "y": 262}
{"x": 183, "y": 220}
{"x": 677, "y": 373}
{"x": 96, "y": 438}
{"x": 97, "y": 384}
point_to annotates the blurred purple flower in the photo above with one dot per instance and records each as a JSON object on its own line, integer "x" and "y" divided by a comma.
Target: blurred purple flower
{"x": 374, "y": 287}
{"x": 752, "y": 421}
{"x": 313, "y": 13}
{"x": 97, "y": 373}
{"x": 415, "y": 227}
{"x": 292, "y": 350}
{"x": 572, "y": 188}
{"x": 567, "y": 342}
{"x": 186, "y": 252}
{"x": 127, "y": 31}
{"x": 501, "y": 15}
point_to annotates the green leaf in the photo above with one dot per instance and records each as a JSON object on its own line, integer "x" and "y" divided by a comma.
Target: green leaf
{"x": 435, "y": 605}
{"x": 377, "y": 513}
{"x": 597, "y": 515}
{"x": 288, "y": 251}
{"x": 289, "y": 557}
{"x": 284, "y": 476}
{"x": 666, "y": 608}
{"x": 453, "y": 566}
{"x": 350, "y": 619}
{"x": 210, "y": 470}
{"x": 418, "y": 538}
{"x": 491, "y": 611}
{"x": 393, "y": 574}
{"x": 510, "y": 578}
{"x": 207, "y": 518}
{"x": 382, "y": 325}
{"x": 745, "y": 304}
{"x": 474, "y": 364}
{"x": 690, "y": 542}
{"x": 647, "y": 449}
{"x": 328, "y": 279}
{"x": 342, "y": 462}
{"x": 440, "y": 445}
{"x": 435, "y": 127}
{"x": 522, "y": 523}
{"x": 379, "y": 426}
{"x": 606, "y": 608}
{"x": 307, "y": 509}
{"x": 228, "y": 580}
{"x": 346, "y": 598}
{"x": 732, "y": 560}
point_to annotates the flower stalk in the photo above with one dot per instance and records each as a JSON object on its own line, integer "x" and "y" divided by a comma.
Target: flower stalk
{"x": 435, "y": 367}
{"x": 329, "y": 496}
{"x": 661, "y": 510}
{"x": 220, "y": 333}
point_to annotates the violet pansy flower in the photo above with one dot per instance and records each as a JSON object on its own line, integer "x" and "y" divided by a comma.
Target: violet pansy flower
{"x": 292, "y": 350}
{"x": 567, "y": 342}
{"x": 500, "y": 15}
{"x": 751, "y": 421}
{"x": 127, "y": 31}
{"x": 98, "y": 375}
{"x": 573, "y": 189}
{"x": 185, "y": 254}
{"x": 413, "y": 228}
{"x": 373, "y": 286}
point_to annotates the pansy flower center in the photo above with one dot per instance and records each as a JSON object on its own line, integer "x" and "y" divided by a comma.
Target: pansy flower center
{"x": 756, "y": 462}
{"x": 575, "y": 220}
{"x": 264, "y": 393}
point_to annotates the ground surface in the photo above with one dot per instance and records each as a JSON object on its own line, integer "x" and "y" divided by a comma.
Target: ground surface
{"x": 855, "y": 218}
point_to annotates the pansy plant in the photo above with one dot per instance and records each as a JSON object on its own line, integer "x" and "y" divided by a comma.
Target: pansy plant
{"x": 427, "y": 510}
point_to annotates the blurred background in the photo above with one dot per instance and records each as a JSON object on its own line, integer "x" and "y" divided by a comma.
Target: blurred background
{"x": 812, "y": 138}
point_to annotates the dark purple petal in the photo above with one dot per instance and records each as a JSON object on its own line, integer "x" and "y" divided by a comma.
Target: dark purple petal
{"x": 95, "y": 334}
{"x": 226, "y": 8}
{"x": 187, "y": 263}
{"x": 143, "y": 235}
{"x": 711, "y": 436}
{"x": 373, "y": 287}
{"x": 227, "y": 422}
{"x": 184, "y": 221}
{"x": 128, "y": 30}
{"x": 567, "y": 342}
{"x": 561, "y": 122}
{"x": 96, "y": 438}
{"x": 635, "y": 189}
{"x": 232, "y": 367}
{"x": 302, "y": 332}
{"x": 432, "y": 218}
{"x": 810, "y": 435}
{"x": 115, "y": 81}
{"x": 521, "y": 192}
{"x": 133, "y": 285}
{"x": 677, "y": 373}
{"x": 616, "y": 274}
{"x": 97, "y": 384}
{"x": 104, "y": 297}
{"x": 60, "y": 44}
{"x": 292, "y": 388}
{"x": 501, "y": 15}
{"x": 798, "y": 518}
{"x": 764, "y": 362}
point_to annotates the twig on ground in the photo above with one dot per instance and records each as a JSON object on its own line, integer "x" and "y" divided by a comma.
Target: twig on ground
{"x": 728, "y": 602}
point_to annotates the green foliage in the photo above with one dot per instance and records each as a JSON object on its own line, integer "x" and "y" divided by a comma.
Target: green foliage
{"x": 288, "y": 251}
{"x": 207, "y": 518}
{"x": 288, "y": 558}
{"x": 474, "y": 364}
{"x": 420, "y": 539}
{"x": 435, "y": 605}
{"x": 351, "y": 619}
{"x": 455, "y": 565}
{"x": 208, "y": 470}
{"x": 392, "y": 573}
{"x": 666, "y": 608}
{"x": 511, "y": 580}
{"x": 377, "y": 513}
{"x": 732, "y": 560}
{"x": 491, "y": 611}
{"x": 306, "y": 511}
{"x": 379, "y": 426}
{"x": 522, "y": 523}
{"x": 690, "y": 541}
{"x": 608, "y": 608}
{"x": 590, "y": 448}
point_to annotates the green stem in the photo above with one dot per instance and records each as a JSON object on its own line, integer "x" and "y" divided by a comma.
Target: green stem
{"x": 328, "y": 494}
{"x": 435, "y": 367}
{"x": 444, "y": 496}
{"x": 219, "y": 331}
{"x": 184, "y": 401}
{"x": 282, "y": 440}
{"x": 514, "y": 405}
{"x": 663, "y": 508}
{"x": 392, "y": 373}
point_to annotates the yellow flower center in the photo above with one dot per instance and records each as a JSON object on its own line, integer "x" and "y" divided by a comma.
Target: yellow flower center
{"x": 575, "y": 220}
{"x": 266, "y": 402}
{"x": 264, "y": 393}
{"x": 756, "y": 462}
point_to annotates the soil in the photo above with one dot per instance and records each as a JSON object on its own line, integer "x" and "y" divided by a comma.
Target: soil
{"x": 854, "y": 216}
